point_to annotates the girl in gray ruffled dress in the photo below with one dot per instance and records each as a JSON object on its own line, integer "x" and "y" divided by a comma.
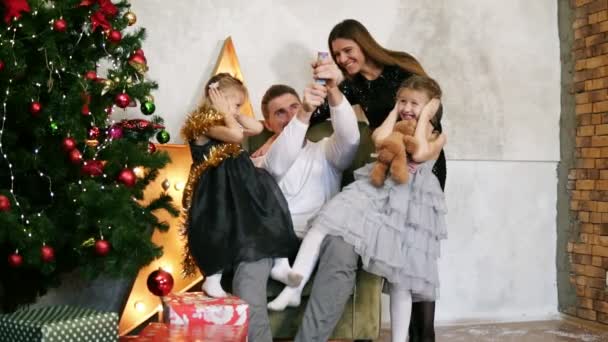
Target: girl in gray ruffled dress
{"x": 395, "y": 228}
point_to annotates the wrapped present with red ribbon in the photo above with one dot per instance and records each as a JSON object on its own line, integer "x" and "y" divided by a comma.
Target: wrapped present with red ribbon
{"x": 196, "y": 309}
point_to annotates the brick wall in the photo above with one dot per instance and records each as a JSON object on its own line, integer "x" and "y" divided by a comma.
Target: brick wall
{"x": 588, "y": 180}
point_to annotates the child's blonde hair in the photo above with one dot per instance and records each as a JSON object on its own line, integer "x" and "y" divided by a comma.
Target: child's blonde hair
{"x": 225, "y": 81}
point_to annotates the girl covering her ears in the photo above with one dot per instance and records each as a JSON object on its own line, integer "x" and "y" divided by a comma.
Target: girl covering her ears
{"x": 235, "y": 211}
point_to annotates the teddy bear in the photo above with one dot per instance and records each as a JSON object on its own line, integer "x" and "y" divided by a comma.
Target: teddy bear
{"x": 392, "y": 154}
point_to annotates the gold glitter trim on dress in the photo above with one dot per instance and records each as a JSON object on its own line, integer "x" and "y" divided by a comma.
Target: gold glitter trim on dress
{"x": 217, "y": 154}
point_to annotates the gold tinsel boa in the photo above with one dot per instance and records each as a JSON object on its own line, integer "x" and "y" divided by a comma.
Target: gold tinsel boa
{"x": 198, "y": 122}
{"x": 217, "y": 154}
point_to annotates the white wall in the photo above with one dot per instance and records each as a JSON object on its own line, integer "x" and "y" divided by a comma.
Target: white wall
{"x": 499, "y": 66}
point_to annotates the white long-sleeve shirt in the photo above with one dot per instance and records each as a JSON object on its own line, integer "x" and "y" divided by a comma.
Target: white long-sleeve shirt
{"x": 309, "y": 173}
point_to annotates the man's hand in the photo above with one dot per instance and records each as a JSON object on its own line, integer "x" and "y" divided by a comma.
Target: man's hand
{"x": 328, "y": 70}
{"x": 314, "y": 96}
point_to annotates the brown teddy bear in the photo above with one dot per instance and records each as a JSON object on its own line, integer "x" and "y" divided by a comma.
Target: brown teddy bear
{"x": 392, "y": 154}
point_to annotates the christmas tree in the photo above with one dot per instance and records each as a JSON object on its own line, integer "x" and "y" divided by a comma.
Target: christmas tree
{"x": 71, "y": 177}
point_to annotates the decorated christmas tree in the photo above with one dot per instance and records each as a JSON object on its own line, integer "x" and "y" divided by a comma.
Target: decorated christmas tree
{"x": 72, "y": 177}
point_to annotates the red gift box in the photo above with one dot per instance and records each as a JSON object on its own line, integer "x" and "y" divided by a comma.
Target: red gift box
{"x": 159, "y": 332}
{"x": 196, "y": 309}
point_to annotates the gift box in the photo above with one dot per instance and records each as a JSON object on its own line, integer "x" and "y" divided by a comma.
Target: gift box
{"x": 159, "y": 332}
{"x": 196, "y": 308}
{"x": 210, "y": 319}
{"x": 59, "y": 324}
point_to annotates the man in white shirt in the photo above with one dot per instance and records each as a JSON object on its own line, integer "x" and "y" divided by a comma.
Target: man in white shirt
{"x": 309, "y": 174}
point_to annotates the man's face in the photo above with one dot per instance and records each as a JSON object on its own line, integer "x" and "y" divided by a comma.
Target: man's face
{"x": 281, "y": 110}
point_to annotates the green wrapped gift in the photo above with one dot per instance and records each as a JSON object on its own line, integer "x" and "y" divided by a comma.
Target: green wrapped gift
{"x": 59, "y": 323}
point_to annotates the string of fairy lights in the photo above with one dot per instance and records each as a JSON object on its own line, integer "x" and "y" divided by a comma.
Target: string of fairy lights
{"x": 56, "y": 70}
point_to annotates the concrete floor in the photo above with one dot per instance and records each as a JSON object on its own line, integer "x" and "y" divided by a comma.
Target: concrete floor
{"x": 545, "y": 331}
{"x": 564, "y": 330}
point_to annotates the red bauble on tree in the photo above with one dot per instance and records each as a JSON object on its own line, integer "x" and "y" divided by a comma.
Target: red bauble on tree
{"x": 60, "y": 25}
{"x": 35, "y": 108}
{"x": 102, "y": 247}
{"x": 1, "y": 65}
{"x": 127, "y": 177}
{"x": 90, "y": 75}
{"x": 114, "y": 36}
{"x": 160, "y": 282}
{"x": 15, "y": 260}
{"x": 92, "y": 168}
{"x": 115, "y": 132}
{"x": 47, "y": 253}
{"x": 138, "y": 62}
{"x": 5, "y": 203}
{"x": 75, "y": 156}
{"x": 86, "y": 99}
{"x": 141, "y": 59}
{"x": 93, "y": 133}
{"x": 122, "y": 100}
{"x": 68, "y": 144}
{"x": 151, "y": 147}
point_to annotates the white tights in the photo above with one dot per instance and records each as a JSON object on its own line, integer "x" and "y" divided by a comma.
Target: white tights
{"x": 213, "y": 287}
{"x": 401, "y": 310}
{"x": 301, "y": 271}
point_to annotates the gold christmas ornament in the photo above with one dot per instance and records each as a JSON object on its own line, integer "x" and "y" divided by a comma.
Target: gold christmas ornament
{"x": 107, "y": 86}
{"x": 92, "y": 143}
{"x": 131, "y": 18}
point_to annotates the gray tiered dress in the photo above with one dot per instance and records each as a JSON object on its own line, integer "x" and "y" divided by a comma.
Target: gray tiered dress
{"x": 396, "y": 229}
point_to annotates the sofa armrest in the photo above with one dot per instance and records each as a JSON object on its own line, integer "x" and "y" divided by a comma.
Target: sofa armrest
{"x": 367, "y": 309}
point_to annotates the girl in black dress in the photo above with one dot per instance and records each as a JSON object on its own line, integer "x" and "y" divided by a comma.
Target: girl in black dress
{"x": 235, "y": 211}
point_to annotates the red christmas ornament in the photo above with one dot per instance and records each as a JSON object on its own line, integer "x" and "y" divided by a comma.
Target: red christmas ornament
{"x": 68, "y": 144}
{"x": 15, "y": 260}
{"x": 86, "y": 99}
{"x": 60, "y": 25}
{"x": 151, "y": 147}
{"x": 1, "y": 65}
{"x": 47, "y": 253}
{"x": 115, "y": 132}
{"x": 90, "y": 75}
{"x": 127, "y": 177}
{"x": 114, "y": 36}
{"x": 160, "y": 282}
{"x": 102, "y": 247}
{"x": 139, "y": 52}
{"x": 92, "y": 168}
{"x": 75, "y": 156}
{"x": 139, "y": 59}
{"x": 138, "y": 62}
{"x": 35, "y": 108}
{"x": 93, "y": 133}
{"x": 5, "y": 203}
{"x": 122, "y": 100}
